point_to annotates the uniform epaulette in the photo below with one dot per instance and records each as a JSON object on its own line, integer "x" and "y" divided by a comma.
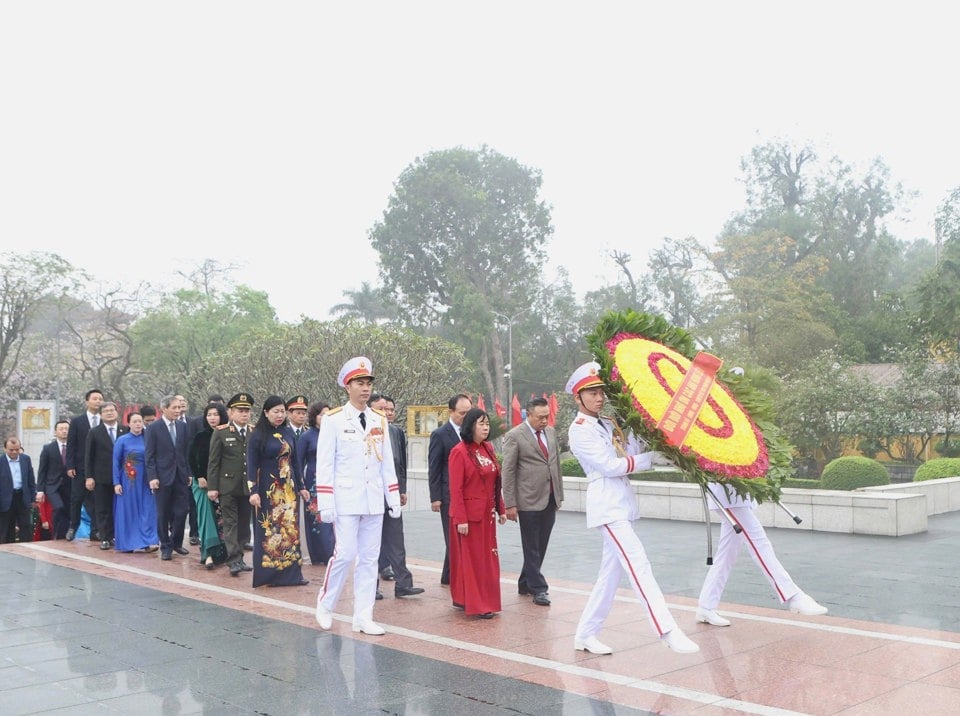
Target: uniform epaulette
{"x": 607, "y": 417}
{"x": 578, "y": 421}
{"x": 221, "y": 427}
{"x": 334, "y": 411}
{"x": 379, "y": 412}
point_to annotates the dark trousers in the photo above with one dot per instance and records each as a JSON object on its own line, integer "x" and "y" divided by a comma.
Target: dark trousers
{"x": 194, "y": 529}
{"x": 60, "y": 505}
{"x": 173, "y": 504}
{"x": 445, "y": 521}
{"x": 393, "y": 553}
{"x": 80, "y": 497}
{"x": 235, "y": 510}
{"x": 535, "y": 529}
{"x": 103, "y": 503}
{"x": 19, "y": 515}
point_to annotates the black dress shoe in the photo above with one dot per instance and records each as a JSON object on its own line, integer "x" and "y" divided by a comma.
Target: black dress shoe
{"x": 457, "y": 606}
{"x": 194, "y": 540}
{"x": 248, "y": 546}
{"x": 407, "y": 591}
{"x": 486, "y": 615}
{"x": 541, "y": 599}
{"x": 244, "y": 567}
{"x": 105, "y": 545}
{"x": 181, "y": 550}
{"x": 165, "y": 556}
{"x": 388, "y": 575}
{"x": 235, "y": 569}
{"x": 379, "y": 595}
{"x": 71, "y": 533}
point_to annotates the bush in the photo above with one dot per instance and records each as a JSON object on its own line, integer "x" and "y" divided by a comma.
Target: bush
{"x": 937, "y": 468}
{"x": 948, "y": 448}
{"x": 801, "y": 483}
{"x": 849, "y": 473}
{"x": 571, "y": 468}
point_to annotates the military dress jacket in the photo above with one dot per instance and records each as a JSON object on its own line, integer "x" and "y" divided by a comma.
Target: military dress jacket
{"x": 355, "y": 469}
{"x": 227, "y": 467}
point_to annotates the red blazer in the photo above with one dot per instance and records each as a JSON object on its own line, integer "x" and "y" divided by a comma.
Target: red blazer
{"x": 474, "y": 493}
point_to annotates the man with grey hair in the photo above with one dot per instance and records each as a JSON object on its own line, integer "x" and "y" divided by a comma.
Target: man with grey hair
{"x": 168, "y": 473}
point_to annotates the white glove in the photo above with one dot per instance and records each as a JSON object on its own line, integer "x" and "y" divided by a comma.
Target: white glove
{"x": 394, "y": 511}
{"x": 328, "y": 516}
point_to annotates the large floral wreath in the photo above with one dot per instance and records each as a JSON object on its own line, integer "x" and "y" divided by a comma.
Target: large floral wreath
{"x": 643, "y": 360}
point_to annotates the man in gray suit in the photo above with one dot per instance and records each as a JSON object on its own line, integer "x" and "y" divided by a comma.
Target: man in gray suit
{"x": 533, "y": 492}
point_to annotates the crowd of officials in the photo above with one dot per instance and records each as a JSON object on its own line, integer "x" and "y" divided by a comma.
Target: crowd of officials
{"x": 334, "y": 479}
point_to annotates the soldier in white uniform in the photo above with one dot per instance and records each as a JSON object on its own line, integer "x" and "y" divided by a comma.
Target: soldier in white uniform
{"x": 607, "y": 460}
{"x": 355, "y": 473}
{"x": 740, "y": 510}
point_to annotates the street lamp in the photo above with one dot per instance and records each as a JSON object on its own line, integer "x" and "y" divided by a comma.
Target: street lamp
{"x": 508, "y": 368}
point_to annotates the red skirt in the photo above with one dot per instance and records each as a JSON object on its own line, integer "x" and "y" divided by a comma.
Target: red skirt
{"x": 475, "y": 567}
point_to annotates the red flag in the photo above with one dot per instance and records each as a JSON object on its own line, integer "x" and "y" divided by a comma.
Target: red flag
{"x": 480, "y": 403}
{"x": 554, "y": 408}
{"x": 515, "y": 418}
{"x": 498, "y": 407}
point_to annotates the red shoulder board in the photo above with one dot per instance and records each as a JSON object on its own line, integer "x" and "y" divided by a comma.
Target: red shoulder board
{"x": 578, "y": 421}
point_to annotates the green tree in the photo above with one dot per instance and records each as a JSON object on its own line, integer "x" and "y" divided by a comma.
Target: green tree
{"x": 835, "y": 214}
{"x": 191, "y": 325}
{"x": 370, "y": 304}
{"x": 28, "y": 282}
{"x": 771, "y": 310}
{"x": 820, "y": 407}
{"x": 938, "y": 292}
{"x": 462, "y": 238}
{"x": 306, "y": 358}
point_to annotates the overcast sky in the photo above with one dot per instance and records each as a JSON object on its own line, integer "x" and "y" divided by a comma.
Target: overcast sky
{"x": 138, "y": 139}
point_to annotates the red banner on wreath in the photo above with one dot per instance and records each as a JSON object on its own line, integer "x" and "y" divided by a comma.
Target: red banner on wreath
{"x": 685, "y": 406}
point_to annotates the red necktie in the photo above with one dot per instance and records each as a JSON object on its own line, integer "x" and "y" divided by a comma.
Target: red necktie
{"x": 543, "y": 448}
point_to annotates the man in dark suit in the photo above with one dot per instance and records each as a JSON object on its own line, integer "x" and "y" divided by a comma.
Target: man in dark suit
{"x": 442, "y": 441}
{"x": 53, "y": 484}
{"x": 18, "y": 489}
{"x": 168, "y": 473}
{"x": 76, "y": 445}
{"x": 533, "y": 492}
{"x": 98, "y": 469}
{"x": 393, "y": 552}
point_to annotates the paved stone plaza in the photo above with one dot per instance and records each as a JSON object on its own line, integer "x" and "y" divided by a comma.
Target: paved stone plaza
{"x": 91, "y": 632}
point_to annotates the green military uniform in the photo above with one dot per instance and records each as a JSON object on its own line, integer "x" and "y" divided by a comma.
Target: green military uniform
{"x": 227, "y": 475}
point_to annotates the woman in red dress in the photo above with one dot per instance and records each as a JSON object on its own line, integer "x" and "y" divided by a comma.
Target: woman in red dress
{"x": 476, "y": 502}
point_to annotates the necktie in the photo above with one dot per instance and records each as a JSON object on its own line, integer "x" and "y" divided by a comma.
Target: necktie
{"x": 63, "y": 453}
{"x": 173, "y": 431}
{"x": 95, "y": 421}
{"x": 243, "y": 432}
{"x": 363, "y": 421}
{"x": 543, "y": 447}
{"x": 112, "y": 437}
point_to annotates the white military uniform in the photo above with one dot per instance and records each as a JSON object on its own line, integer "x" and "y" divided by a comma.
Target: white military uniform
{"x": 741, "y": 512}
{"x": 355, "y": 473}
{"x": 611, "y": 505}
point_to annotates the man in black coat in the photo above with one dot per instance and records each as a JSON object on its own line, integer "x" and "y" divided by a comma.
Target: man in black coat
{"x": 80, "y": 497}
{"x": 168, "y": 473}
{"x": 98, "y": 469}
{"x": 18, "y": 489}
{"x": 442, "y": 441}
{"x": 53, "y": 483}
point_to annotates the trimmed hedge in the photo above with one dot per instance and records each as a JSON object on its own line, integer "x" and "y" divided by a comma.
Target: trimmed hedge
{"x": 937, "y": 468}
{"x": 849, "y": 473}
{"x": 570, "y": 467}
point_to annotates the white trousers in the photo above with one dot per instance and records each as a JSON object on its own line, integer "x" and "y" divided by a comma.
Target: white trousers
{"x": 623, "y": 554}
{"x": 358, "y": 541}
{"x": 755, "y": 537}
